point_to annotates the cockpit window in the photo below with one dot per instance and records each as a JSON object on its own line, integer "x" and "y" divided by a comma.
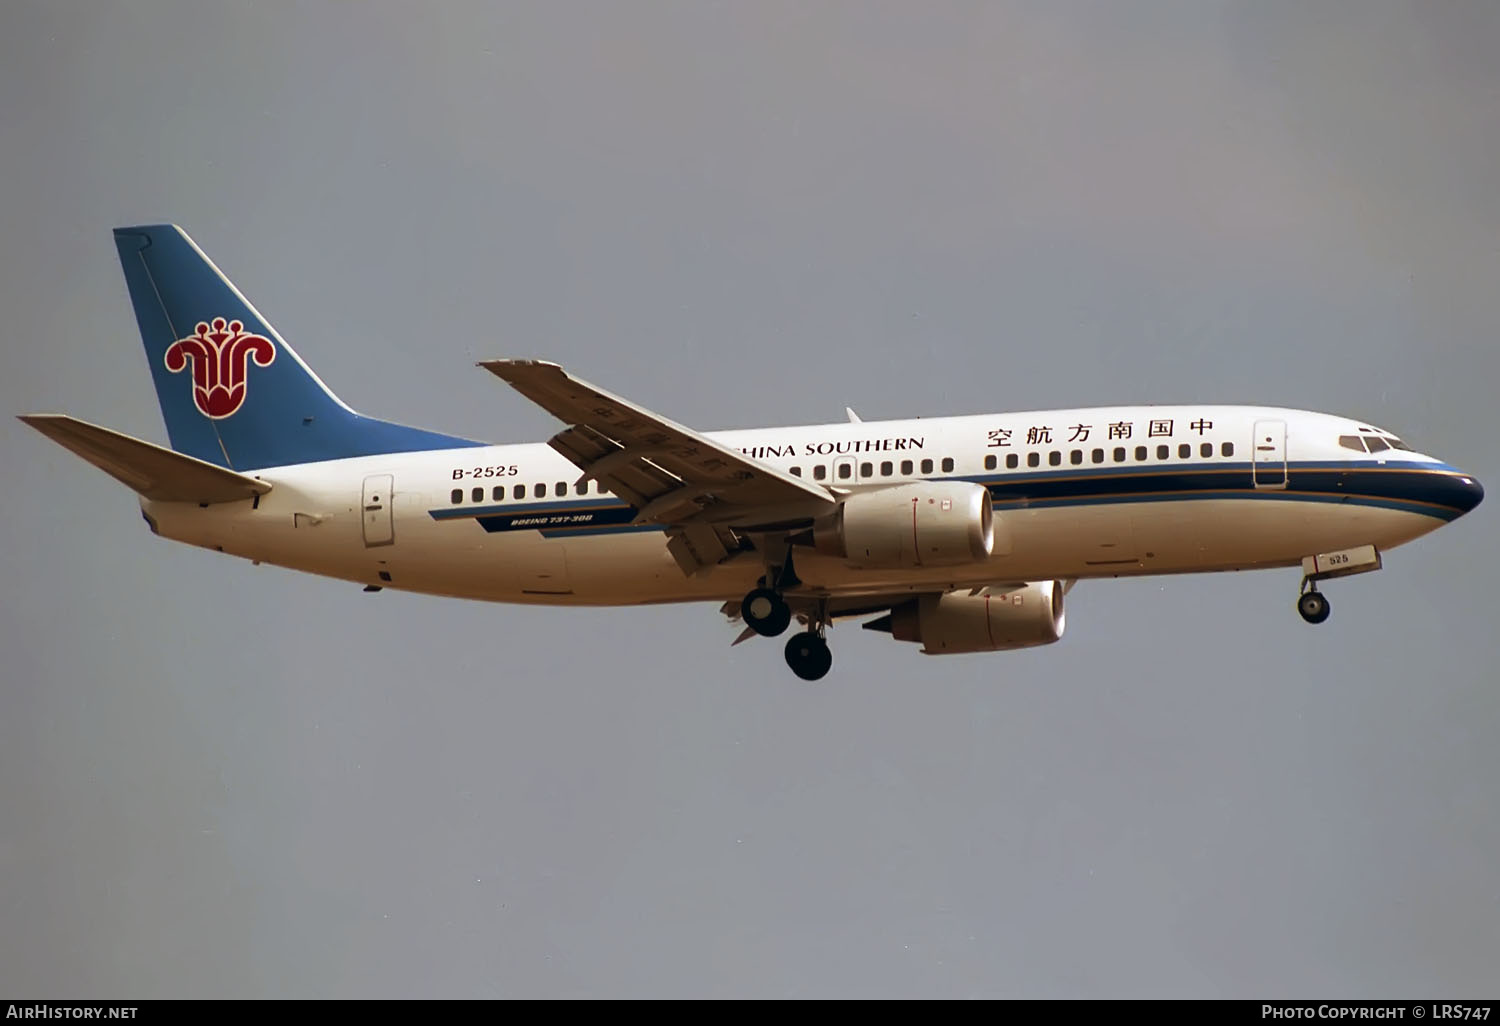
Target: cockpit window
{"x": 1372, "y": 442}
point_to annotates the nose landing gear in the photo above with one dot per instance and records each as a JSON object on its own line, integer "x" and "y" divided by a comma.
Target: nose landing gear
{"x": 1312, "y": 605}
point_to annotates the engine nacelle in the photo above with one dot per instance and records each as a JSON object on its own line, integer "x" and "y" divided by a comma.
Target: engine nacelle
{"x": 924, "y": 523}
{"x": 988, "y": 622}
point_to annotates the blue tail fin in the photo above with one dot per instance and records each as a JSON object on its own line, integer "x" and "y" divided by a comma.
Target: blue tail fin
{"x": 231, "y": 391}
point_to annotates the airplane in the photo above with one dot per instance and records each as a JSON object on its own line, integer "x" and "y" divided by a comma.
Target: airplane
{"x": 961, "y": 534}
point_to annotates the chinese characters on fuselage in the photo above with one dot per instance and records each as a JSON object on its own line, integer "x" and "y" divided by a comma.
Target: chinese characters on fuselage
{"x": 1041, "y": 434}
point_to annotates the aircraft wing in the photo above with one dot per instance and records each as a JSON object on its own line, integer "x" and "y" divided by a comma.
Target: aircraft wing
{"x": 695, "y": 488}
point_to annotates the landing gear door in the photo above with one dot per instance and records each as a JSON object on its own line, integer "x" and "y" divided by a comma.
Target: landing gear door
{"x": 1268, "y": 454}
{"x": 375, "y": 511}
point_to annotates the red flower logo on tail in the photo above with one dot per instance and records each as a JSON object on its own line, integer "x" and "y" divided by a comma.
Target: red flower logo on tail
{"x": 220, "y": 354}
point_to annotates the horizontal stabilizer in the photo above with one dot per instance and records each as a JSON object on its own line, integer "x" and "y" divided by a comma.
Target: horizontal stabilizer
{"x": 151, "y": 470}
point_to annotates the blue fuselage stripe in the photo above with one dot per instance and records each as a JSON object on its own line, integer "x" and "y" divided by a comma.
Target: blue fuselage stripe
{"x": 1431, "y": 490}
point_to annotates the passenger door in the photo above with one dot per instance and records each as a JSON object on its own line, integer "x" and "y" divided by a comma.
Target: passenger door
{"x": 376, "y": 511}
{"x": 1268, "y": 454}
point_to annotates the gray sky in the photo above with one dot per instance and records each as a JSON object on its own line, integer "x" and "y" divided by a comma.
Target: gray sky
{"x": 219, "y": 779}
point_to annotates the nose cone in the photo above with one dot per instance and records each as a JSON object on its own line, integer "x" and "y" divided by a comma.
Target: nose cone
{"x": 1456, "y": 490}
{"x": 1471, "y": 493}
{"x": 1451, "y": 489}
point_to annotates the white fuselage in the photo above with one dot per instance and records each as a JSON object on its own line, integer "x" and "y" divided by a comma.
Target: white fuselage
{"x": 1092, "y": 493}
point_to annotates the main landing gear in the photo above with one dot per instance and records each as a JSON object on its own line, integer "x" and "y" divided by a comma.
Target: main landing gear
{"x": 763, "y": 609}
{"x": 768, "y": 614}
{"x": 808, "y": 655}
{"x": 765, "y": 612}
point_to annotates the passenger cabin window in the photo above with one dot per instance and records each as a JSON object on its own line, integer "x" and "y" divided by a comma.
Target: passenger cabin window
{"x": 1097, "y": 456}
{"x": 1033, "y": 459}
{"x": 867, "y": 470}
{"x": 1206, "y": 450}
{"x": 947, "y": 464}
{"x": 796, "y": 471}
{"x": 820, "y": 472}
{"x": 1054, "y": 458}
{"x": 990, "y": 463}
{"x": 560, "y": 489}
{"x": 498, "y": 494}
{"x": 1163, "y": 451}
{"x": 845, "y": 469}
{"x": 518, "y": 492}
{"x": 1119, "y": 455}
{"x": 539, "y": 490}
{"x": 477, "y": 495}
{"x": 887, "y": 468}
{"x": 1140, "y": 454}
{"x": 1075, "y": 457}
{"x": 581, "y": 488}
{"x": 1184, "y": 451}
{"x": 906, "y": 467}
{"x": 1226, "y": 449}
{"x": 1012, "y": 461}
{"x": 926, "y": 466}
{"x": 457, "y": 496}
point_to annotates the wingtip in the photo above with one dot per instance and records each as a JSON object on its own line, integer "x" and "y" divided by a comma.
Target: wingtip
{"x": 496, "y": 366}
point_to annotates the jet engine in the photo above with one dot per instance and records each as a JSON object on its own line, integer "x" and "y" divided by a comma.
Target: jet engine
{"x": 923, "y": 523}
{"x": 990, "y": 621}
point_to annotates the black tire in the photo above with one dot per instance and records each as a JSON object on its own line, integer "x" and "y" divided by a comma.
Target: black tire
{"x": 1313, "y": 607}
{"x": 808, "y": 656}
{"x": 765, "y": 612}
